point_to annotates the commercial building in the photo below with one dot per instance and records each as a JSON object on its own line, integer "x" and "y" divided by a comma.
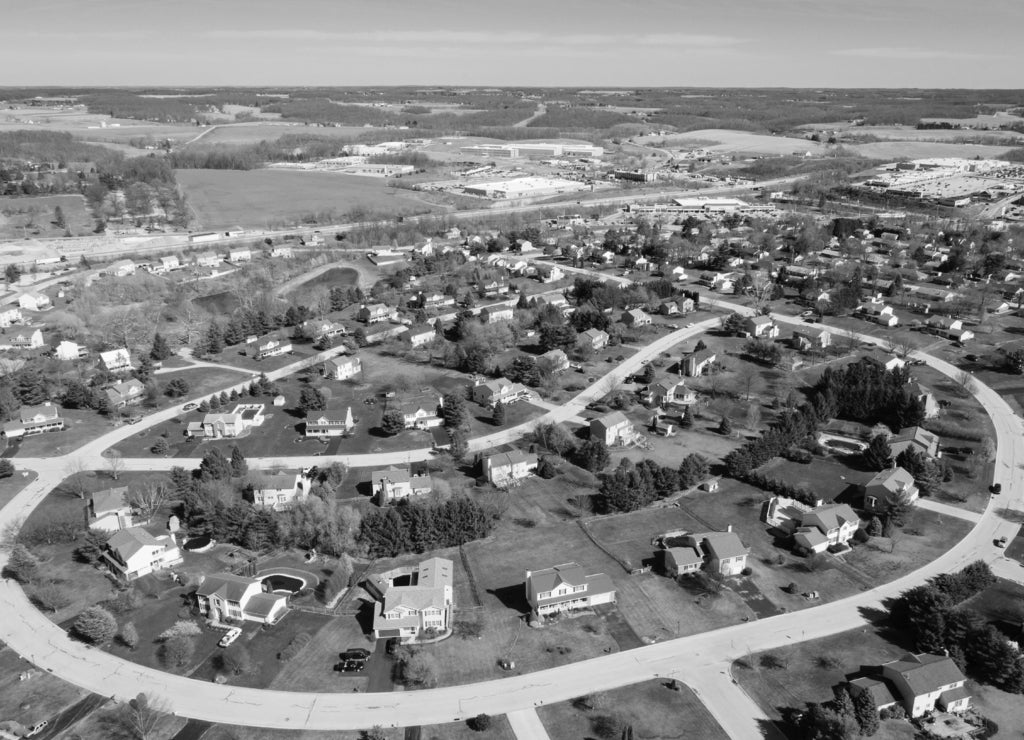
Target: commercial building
{"x": 524, "y": 187}
{"x": 533, "y": 150}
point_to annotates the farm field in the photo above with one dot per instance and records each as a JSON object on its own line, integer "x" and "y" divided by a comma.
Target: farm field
{"x": 222, "y": 198}
{"x": 890, "y": 150}
{"x": 33, "y": 216}
{"x": 739, "y": 141}
{"x": 251, "y": 133}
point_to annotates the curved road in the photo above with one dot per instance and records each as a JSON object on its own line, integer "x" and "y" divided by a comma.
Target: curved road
{"x": 701, "y": 660}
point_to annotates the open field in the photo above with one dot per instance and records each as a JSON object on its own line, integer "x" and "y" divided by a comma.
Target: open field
{"x": 33, "y": 216}
{"x": 890, "y": 150}
{"x": 653, "y": 709}
{"x": 738, "y": 141}
{"x": 80, "y": 427}
{"x": 251, "y": 133}
{"x": 223, "y": 198}
{"x": 39, "y": 697}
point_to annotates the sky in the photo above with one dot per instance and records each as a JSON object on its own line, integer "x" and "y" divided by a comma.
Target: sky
{"x": 577, "y": 43}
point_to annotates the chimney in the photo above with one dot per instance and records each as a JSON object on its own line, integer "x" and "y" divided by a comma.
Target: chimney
{"x": 728, "y": 528}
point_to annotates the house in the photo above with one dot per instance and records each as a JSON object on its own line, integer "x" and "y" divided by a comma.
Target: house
{"x": 418, "y": 410}
{"x": 494, "y": 314}
{"x": 925, "y": 397}
{"x": 121, "y": 268}
{"x": 594, "y": 339}
{"x": 636, "y": 317}
{"x": 761, "y": 327}
{"x": 717, "y": 552}
{"x": 493, "y": 288}
{"x": 280, "y": 489}
{"x": 133, "y": 552}
{"x": 922, "y": 683}
{"x": 10, "y": 316}
{"x": 34, "y": 301}
{"x": 434, "y": 300}
{"x": 116, "y": 361}
{"x": 383, "y": 332}
{"x": 317, "y": 330}
{"x": 393, "y": 483}
{"x": 566, "y": 587}
{"x": 239, "y": 255}
{"x": 918, "y": 438}
{"x": 677, "y": 273}
{"x": 108, "y": 510}
{"x": 614, "y": 429}
{"x": 125, "y": 394}
{"x": 69, "y": 351}
{"x": 886, "y": 487}
{"x": 668, "y": 308}
{"x": 342, "y": 368}
{"x": 698, "y": 363}
{"x": 27, "y": 339}
{"x": 502, "y": 391}
{"x": 282, "y": 252}
{"x": 962, "y": 335}
{"x": 420, "y": 335}
{"x": 214, "y": 426}
{"x": 808, "y": 339}
{"x": 329, "y": 424}
{"x": 505, "y": 469}
{"x": 549, "y": 273}
{"x": 272, "y": 347}
{"x": 664, "y": 392}
{"x": 826, "y": 526}
{"x": 225, "y": 596}
{"x": 423, "y": 604}
{"x": 208, "y": 259}
{"x": 556, "y": 361}
{"x": 34, "y": 420}
{"x": 374, "y": 313}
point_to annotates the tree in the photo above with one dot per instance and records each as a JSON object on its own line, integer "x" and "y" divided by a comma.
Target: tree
{"x": 214, "y": 466}
{"x": 965, "y": 379}
{"x": 160, "y": 446}
{"x": 140, "y": 717}
{"x": 375, "y": 733}
{"x": 878, "y": 454}
{"x": 392, "y": 422}
{"x": 95, "y": 625}
{"x": 692, "y": 470}
{"x": 13, "y": 273}
{"x": 479, "y": 723}
{"x": 90, "y": 550}
{"x": 238, "y": 465}
{"x": 312, "y": 399}
{"x": 176, "y": 388}
{"x": 129, "y": 636}
{"x": 498, "y": 414}
{"x": 454, "y": 412}
{"x": 866, "y": 713}
{"x": 688, "y": 420}
{"x": 149, "y": 496}
{"x": 458, "y": 444}
{"x": 725, "y": 427}
{"x": 593, "y": 455}
{"x": 115, "y": 463}
{"x": 51, "y": 596}
{"x": 236, "y": 660}
{"x": 418, "y": 669}
{"x": 160, "y": 350}
{"x": 6, "y": 468}
{"x": 178, "y": 650}
{"x": 22, "y": 565}
{"x": 556, "y": 438}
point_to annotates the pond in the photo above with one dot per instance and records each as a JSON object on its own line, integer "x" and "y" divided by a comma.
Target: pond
{"x": 197, "y": 543}
{"x": 218, "y": 303}
{"x": 280, "y": 583}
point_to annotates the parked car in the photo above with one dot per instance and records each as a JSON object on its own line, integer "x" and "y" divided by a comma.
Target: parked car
{"x": 1001, "y": 542}
{"x": 189, "y": 406}
{"x": 996, "y": 488}
{"x": 230, "y": 636}
{"x": 355, "y": 654}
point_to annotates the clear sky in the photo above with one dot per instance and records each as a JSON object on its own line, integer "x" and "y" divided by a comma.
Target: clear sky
{"x": 797, "y": 43}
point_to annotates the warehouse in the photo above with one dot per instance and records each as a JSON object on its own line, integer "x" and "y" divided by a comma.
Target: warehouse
{"x": 524, "y": 187}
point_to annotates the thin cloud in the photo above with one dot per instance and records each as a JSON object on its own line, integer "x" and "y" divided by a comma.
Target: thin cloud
{"x": 896, "y": 52}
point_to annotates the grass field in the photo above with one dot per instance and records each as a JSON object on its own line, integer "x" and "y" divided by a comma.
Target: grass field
{"x": 39, "y": 697}
{"x": 250, "y": 133}
{"x": 33, "y": 216}
{"x": 222, "y": 198}
{"x": 80, "y": 427}
{"x": 890, "y": 150}
{"x": 652, "y": 708}
{"x": 740, "y": 142}
{"x": 499, "y": 730}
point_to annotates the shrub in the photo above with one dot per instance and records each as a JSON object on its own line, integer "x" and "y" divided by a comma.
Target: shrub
{"x": 860, "y": 536}
{"x": 181, "y": 628}
{"x": 22, "y": 565}
{"x": 298, "y": 642}
{"x": 160, "y": 447}
{"x": 95, "y": 625}
{"x": 418, "y": 669}
{"x": 798, "y": 455}
{"x": 606, "y": 726}
{"x": 334, "y": 583}
{"x": 51, "y": 596}
{"x": 129, "y": 636}
{"x": 479, "y": 723}
{"x": 178, "y": 650}
{"x": 6, "y": 468}
{"x": 748, "y": 571}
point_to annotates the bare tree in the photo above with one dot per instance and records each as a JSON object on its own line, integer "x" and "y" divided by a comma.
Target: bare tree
{"x": 75, "y": 482}
{"x": 140, "y": 717}
{"x": 115, "y": 464}
{"x": 748, "y": 381}
{"x": 149, "y": 496}
{"x": 192, "y": 320}
{"x": 966, "y": 382}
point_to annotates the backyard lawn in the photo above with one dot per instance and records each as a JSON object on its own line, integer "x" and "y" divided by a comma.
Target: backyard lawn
{"x": 81, "y": 426}
{"x": 40, "y": 696}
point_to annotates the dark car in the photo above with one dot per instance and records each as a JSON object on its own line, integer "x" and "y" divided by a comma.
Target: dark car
{"x": 355, "y": 654}
{"x": 996, "y": 488}
{"x": 392, "y": 645}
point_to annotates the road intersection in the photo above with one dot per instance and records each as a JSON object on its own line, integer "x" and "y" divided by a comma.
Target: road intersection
{"x": 702, "y": 661}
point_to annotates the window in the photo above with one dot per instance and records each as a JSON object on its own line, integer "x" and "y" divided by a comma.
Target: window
{"x": 871, "y": 502}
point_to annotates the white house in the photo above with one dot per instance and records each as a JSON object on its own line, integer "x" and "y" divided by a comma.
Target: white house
{"x": 34, "y": 301}
{"x": 636, "y": 317}
{"x": 280, "y": 489}
{"x": 418, "y": 410}
{"x": 826, "y": 526}
{"x": 132, "y": 553}
{"x": 422, "y": 605}
{"x": 698, "y": 363}
{"x": 505, "y": 469}
{"x": 502, "y": 391}
{"x": 329, "y": 424}
{"x": 130, "y": 392}
{"x": 393, "y": 484}
{"x": 10, "y": 316}
{"x": 27, "y": 339}
{"x": 595, "y": 339}
{"x": 225, "y": 596}
{"x": 420, "y": 335}
{"x": 239, "y": 255}
{"x": 761, "y": 327}
{"x": 494, "y": 314}
{"x": 116, "y": 360}
{"x": 34, "y": 420}
{"x": 374, "y": 313}
{"x": 342, "y": 368}
{"x": 921, "y": 683}
{"x": 121, "y": 268}
{"x": 108, "y": 510}
{"x": 214, "y": 426}
{"x": 614, "y": 429}
{"x": 69, "y": 351}
{"x": 888, "y": 486}
{"x": 718, "y": 552}
{"x": 272, "y": 348}
{"x": 566, "y": 587}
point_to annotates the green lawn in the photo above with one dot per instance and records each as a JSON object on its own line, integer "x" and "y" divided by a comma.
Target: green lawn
{"x": 81, "y": 427}
{"x": 39, "y": 697}
{"x": 11, "y": 487}
{"x": 653, "y": 709}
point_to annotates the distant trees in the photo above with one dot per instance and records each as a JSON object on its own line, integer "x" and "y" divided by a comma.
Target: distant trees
{"x": 420, "y": 527}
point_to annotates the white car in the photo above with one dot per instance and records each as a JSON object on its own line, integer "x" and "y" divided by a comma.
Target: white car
{"x": 230, "y": 636}
{"x": 37, "y": 728}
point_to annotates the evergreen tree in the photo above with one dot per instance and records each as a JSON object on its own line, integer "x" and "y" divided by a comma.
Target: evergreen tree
{"x": 392, "y": 422}
{"x": 95, "y": 625}
{"x": 214, "y": 339}
{"x": 214, "y": 466}
{"x": 160, "y": 350}
{"x": 454, "y": 411}
{"x": 593, "y": 455}
{"x": 688, "y": 420}
{"x": 22, "y": 565}
{"x": 459, "y": 446}
{"x": 214, "y": 402}
{"x": 866, "y": 713}
{"x": 498, "y": 415}
{"x": 238, "y": 465}
{"x": 144, "y": 369}
{"x": 6, "y": 468}
{"x": 878, "y": 454}
{"x": 725, "y": 427}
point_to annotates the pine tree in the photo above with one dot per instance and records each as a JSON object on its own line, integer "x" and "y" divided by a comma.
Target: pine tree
{"x": 498, "y": 416}
{"x": 214, "y": 339}
{"x": 238, "y": 465}
{"x": 725, "y": 427}
{"x": 458, "y": 444}
{"x": 688, "y": 421}
{"x": 160, "y": 350}
{"x": 866, "y": 713}
{"x": 22, "y": 565}
{"x": 878, "y": 455}
{"x": 392, "y": 422}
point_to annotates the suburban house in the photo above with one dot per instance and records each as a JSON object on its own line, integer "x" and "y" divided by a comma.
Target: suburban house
{"x": 495, "y": 314}
{"x": 272, "y": 348}
{"x": 329, "y": 424}
{"x": 556, "y": 361}
{"x": 566, "y": 587}
{"x": 121, "y": 268}
{"x": 826, "y": 526}
{"x": 502, "y": 391}
{"x": 34, "y": 301}
{"x": 343, "y": 367}
{"x": 108, "y": 510}
{"x": 614, "y": 429}
{"x": 124, "y": 394}
{"x": 549, "y": 273}
{"x": 279, "y": 490}
{"x": 34, "y": 420}
{"x": 244, "y": 417}
{"x": 885, "y": 487}
{"x": 317, "y": 330}
{"x": 917, "y": 438}
{"x": 27, "y": 339}
{"x": 698, "y": 363}
{"x": 208, "y": 259}
{"x": 761, "y": 327}
{"x": 492, "y": 288}
{"x": 374, "y": 313}
{"x": 808, "y": 339}
{"x": 116, "y": 361}
{"x": 68, "y": 351}
{"x": 594, "y": 339}
{"x": 423, "y": 604}
{"x": 133, "y": 552}
{"x": 668, "y": 308}
{"x": 505, "y": 469}
{"x": 393, "y": 484}
{"x": 434, "y": 300}
{"x": 10, "y": 316}
{"x": 636, "y": 317}
{"x": 925, "y": 396}
{"x": 286, "y": 252}
{"x": 920, "y": 683}
{"x": 169, "y": 263}
{"x": 664, "y": 392}
{"x": 717, "y": 552}
{"x": 225, "y": 596}
{"x": 239, "y": 255}
{"x": 420, "y": 335}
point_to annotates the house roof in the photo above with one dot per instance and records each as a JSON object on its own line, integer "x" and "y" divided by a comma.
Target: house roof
{"x": 760, "y": 320}
{"x": 880, "y": 691}
{"x": 683, "y": 556}
{"x": 809, "y": 537}
{"x": 513, "y": 457}
{"x": 263, "y": 605}
{"x": 724, "y": 544}
{"x": 47, "y": 410}
{"x": 228, "y": 586}
{"x": 891, "y": 479}
{"x": 391, "y": 474}
{"x": 127, "y": 542}
{"x": 549, "y": 578}
{"x": 829, "y": 517}
{"x": 926, "y": 672}
{"x": 954, "y": 695}
{"x": 435, "y": 572}
{"x": 918, "y": 435}
{"x": 610, "y": 420}
{"x": 111, "y": 499}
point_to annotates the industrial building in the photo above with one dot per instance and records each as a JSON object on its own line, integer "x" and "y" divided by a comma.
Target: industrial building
{"x": 537, "y": 150}
{"x": 524, "y": 187}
